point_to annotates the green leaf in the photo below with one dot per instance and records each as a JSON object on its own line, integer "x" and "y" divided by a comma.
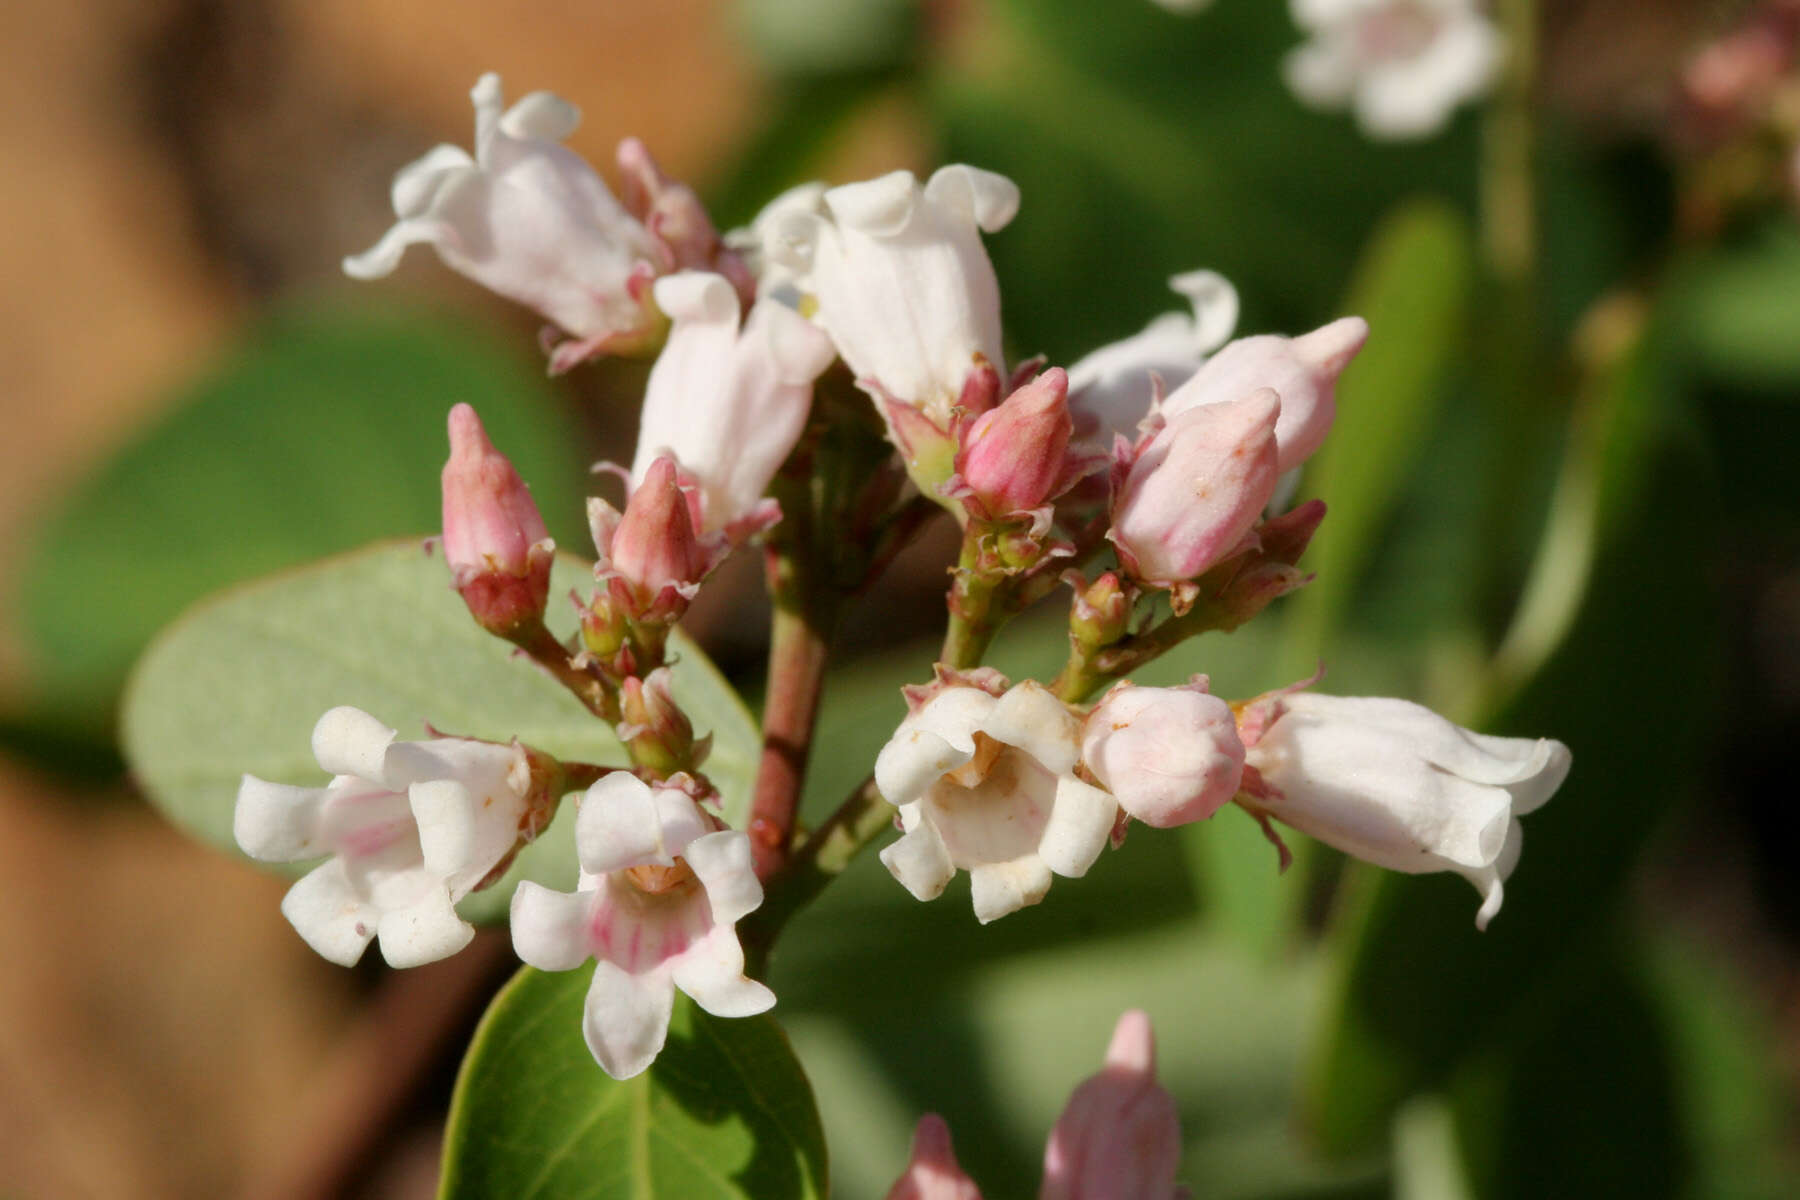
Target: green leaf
{"x": 1419, "y": 990}
{"x": 1412, "y": 286}
{"x": 323, "y": 431}
{"x": 236, "y": 685}
{"x": 724, "y": 1114}
{"x": 1735, "y": 310}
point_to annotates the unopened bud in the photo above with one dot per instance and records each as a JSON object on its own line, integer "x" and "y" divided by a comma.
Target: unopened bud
{"x": 654, "y": 547}
{"x": 494, "y": 538}
{"x": 1119, "y": 1135}
{"x": 1101, "y": 613}
{"x": 1194, "y": 488}
{"x": 1168, "y": 755}
{"x": 933, "y": 1172}
{"x": 659, "y": 734}
{"x": 1013, "y": 456}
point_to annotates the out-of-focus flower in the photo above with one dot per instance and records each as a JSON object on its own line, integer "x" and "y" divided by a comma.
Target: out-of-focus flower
{"x": 411, "y": 828}
{"x": 529, "y": 219}
{"x": 728, "y": 403}
{"x": 984, "y": 778}
{"x": 1168, "y": 755}
{"x": 1303, "y": 371}
{"x": 902, "y": 282}
{"x": 1403, "y": 65}
{"x": 1110, "y": 389}
{"x": 933, "y": 1172}
{"x": 1194, "y": 486}
{"x": 1119, "y": 1138}
{"x": 662, "y": 886}
{"x": 1394, "y": 783}
{"x": 494, "y": 537}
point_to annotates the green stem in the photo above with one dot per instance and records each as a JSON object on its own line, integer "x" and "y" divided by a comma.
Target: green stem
{"x": 1086, "y": 672}
{"x": 975, "y": 611}
{"x": 542, "y": 647}
{"x": 825, "y": 855}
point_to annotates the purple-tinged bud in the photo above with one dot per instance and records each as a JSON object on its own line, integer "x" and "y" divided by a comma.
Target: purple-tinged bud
{"x": 679, "y": 222}
{"x": 1194, "y": 488}
{"x": 659, "y": 734}
{"x": 1119, "y": 1136}
{"x": 655, "y": 546}
{"x": 933, "y": 1173}
{"x": 1014, "y": 455}
{"x": 1101, "y": 613}
{"x": 1303, "y": 371}
{"x": 1168, "y": 755}
{"x": 494, "y": 538}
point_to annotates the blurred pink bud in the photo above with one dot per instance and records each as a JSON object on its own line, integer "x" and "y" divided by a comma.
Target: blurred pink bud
{"x": 494, "y": 538}
{"x": 655, "y": 545}
{"x": 1195, "y": 487}
{"x": 677, "y": 220}
{"x": 1119, "y": 1137}
{"x": 1303, "y": 371}
{"x": 933, "y": 1173}
{"x": 1014, "y": 456}
{"x": 1168, "y": 755}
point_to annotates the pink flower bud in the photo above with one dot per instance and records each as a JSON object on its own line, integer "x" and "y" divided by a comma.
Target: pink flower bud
{"x": 1119, "y": 1137}
{"x": 494, "y": 538}
{"x": 658, "y": 732}
{"x": 678, "y": 221}
{"x": 1168, "y": 755}
{"x": 1101, "y": 613}
{"x": 933, "y": 1173}
{"x": 1014, "y": 456}
{"x": 655, "y": 546}
{"x": 1195, "y": 487}
{"x": 1303, "y": 371}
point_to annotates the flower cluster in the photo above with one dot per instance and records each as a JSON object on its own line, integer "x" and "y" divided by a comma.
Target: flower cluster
{"x": 1161, "y": 464}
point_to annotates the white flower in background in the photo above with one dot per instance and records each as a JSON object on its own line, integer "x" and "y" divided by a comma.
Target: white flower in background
{"x": 1393, "y": 783}
{"x": 986, "y": 783}
{"x": 1403, "y": 65}
{"x": 1110, "y": 389}
{"x": 662, "y": 885}
{"x": 411, "y": 828}
{"x": 728, "y": 403}
{"x": 528, "y": 218}
{"x": 901, "y": 279}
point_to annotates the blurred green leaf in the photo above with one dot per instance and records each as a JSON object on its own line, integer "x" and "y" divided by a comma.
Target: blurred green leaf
{"x": 1628, "y": 687}
{"x": 1735, "y": 310}
{"x": 1412, "y": 286}
{"x": 236, "y": 685}
{"x": 830, "y": 37}
{"x": 725, "y": 1113}
{"x": 323, "y": 431}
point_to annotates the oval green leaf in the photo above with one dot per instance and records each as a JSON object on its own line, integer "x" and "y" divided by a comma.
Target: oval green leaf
{"x": 235, "y": 686}
{"x": 725, "y": 1113}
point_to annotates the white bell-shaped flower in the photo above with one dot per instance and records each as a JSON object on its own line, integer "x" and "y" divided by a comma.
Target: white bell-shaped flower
{"x": 727, "y": 402}
{"x": 411, "y": 828}
{"x": 1403, "y": 65}
{"x": 529, "y": 219}
{"x": 986, "y": 783}
{"x": 1395, "y": 784}
{"x": 662, "y": 885}
{"x": 901, "y": 279}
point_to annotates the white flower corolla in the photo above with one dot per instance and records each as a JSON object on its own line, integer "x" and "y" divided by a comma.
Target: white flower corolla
{"x": 662, "y": 885}
{"x": 901, "y": 279}
{"x": 528, "y": 218}
{"x": 1111, "y": 389}
{"x": 986, "y": 783}
{"x": 1404, "y": 65}
{"x": 727, "y": 402}
{"x": 411, "y": 828}
{"x": 775, "y": 272}
{"x": 1395, "y": 784}
{"x": 1302, "y": 370}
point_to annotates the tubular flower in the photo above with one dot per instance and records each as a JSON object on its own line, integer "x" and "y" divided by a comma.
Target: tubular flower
{"x": 728, "y": 402}
{"x": 528, "y": 218}
{"x": 1393, "y": 783}
{"x": 662, "y": 885}
{"x": 985, "y": 782}
{"x": 411, "y": 828}
{"x": 1404, "y": 65}
{"x": 1168, "y": 755}
{"x": 1111, "y": 389}
{"x": 1303, "y": 371}
{"x": 902, "y": 281}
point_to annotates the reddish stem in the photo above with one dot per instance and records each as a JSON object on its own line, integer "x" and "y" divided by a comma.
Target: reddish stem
{"x": 798, "y": 648}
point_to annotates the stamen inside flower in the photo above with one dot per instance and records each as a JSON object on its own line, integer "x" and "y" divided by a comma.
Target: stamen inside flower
{"x": 973, "y": 772}
{"x": 659, "y": 880}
